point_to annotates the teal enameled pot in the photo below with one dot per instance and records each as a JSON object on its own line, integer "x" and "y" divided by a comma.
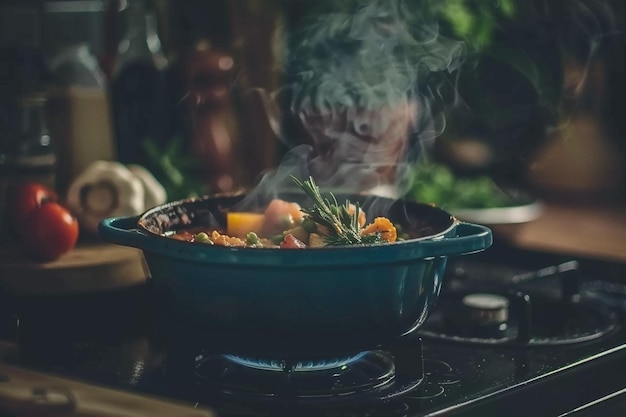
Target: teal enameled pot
{"x": 297, "y": 301}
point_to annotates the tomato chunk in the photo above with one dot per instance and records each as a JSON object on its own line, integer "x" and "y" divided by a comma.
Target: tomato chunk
{"x": 281, "y": 215}
{"x": 292, "y": 242}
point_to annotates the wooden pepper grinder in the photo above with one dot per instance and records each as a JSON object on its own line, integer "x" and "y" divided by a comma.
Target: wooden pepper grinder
{"x": 213, "y": 136}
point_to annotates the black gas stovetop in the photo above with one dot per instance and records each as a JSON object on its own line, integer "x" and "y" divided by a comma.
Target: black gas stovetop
{"x": 514, "y": 333}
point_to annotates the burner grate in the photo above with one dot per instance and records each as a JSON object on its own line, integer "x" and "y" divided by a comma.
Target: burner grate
{"x": 368, "y": 377}
{"x": 530, "y": 309}
{"x": 305, "y": 379}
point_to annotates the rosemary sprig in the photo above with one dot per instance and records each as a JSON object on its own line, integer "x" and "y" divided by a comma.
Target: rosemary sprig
{"x": 343, "y": 226}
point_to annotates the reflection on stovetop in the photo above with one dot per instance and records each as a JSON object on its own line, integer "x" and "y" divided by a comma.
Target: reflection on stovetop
{"x": 111, "y": 339}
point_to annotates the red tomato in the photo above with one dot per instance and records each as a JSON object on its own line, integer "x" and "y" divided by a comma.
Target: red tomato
{"x": 47, "y": 229}
{"x": 49, "y": 232}
{"x": 26, "y": 198}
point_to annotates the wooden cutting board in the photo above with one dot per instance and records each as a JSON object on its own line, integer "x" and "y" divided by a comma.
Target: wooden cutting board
{"x": 26, "y": 393}
{"x": 90, "y": 267}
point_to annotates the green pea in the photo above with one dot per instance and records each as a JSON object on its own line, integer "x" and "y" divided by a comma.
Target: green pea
{"x": 203, "y": 238}
{"x": 309, "y": 225}
{"x": 277, "y": 239}
{"x": 253, "y": 240}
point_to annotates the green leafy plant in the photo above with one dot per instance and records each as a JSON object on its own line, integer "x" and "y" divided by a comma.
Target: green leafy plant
{"x": 435, "y": 183}
{"x": 500, "y": 45}
{"x": 476, "y": 21}
{"x": 175, "y": 169}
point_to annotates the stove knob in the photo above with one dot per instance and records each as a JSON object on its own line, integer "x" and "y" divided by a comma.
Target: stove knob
{"x": 485, "y": 309}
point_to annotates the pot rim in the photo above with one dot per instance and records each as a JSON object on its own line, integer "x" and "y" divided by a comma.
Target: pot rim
{"x": 456, "y": 238}
{"x": 453, "y": 223}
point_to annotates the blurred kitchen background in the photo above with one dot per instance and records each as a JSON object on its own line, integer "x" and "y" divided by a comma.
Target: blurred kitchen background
{"x": 188, "y": 89}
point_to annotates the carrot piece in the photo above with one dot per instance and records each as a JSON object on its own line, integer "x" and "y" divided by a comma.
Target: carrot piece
{"x": 383, "y": 226}
{"x": 239, "y": 224}
{"x": 362, "y": 216}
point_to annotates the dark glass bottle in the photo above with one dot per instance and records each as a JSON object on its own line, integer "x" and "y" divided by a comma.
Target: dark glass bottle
{"x": 141, "y": 91}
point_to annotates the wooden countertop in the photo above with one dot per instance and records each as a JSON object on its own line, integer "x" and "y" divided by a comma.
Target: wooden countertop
{"x": 587, "y": 230}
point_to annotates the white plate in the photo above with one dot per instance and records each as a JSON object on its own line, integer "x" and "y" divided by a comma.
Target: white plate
{"x": 522, "y": 213}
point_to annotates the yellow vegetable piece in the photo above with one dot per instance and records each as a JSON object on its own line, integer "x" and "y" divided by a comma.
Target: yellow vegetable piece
{"x": 239, "y": 224}
{"x": 316, "y": 241}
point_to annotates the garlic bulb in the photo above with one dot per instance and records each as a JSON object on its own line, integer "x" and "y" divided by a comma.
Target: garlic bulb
{"x": 105, "y": 189}
{"x": 154, "y": 192}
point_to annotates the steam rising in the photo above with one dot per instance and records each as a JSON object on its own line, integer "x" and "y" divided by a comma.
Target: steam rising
{"x": 365, "y": 85}
{"x": 357, "y": 93}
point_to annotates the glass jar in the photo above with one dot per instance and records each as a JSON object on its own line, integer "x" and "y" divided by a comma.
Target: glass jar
{"x": 27, "y": 154}
{"x": 80, "y": 114}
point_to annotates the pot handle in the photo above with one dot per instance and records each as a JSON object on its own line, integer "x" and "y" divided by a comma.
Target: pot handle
{"x": 470, "y": 238}
{"x": 121, "y": 230}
